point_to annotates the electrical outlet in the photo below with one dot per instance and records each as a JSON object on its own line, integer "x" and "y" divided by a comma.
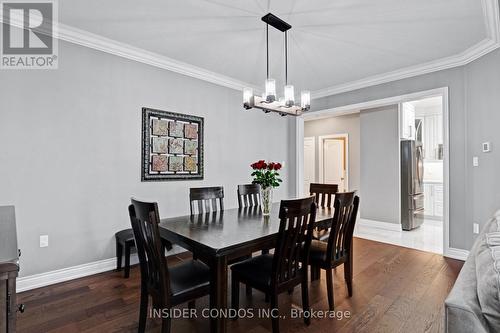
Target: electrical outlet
{"x": 486, "y": 147}
{"x": 475, "y": 228}
{"x": 44, "y": 240}
{"x": 475, "y": 161}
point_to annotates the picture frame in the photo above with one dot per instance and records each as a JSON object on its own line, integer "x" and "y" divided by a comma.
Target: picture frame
{"x": 172, "y": 146}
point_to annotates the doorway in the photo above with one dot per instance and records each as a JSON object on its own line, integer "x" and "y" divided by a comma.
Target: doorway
{"x": 384, "y": 229}
{"x": 333, "y": 160}
{"x": 422, "y": 171}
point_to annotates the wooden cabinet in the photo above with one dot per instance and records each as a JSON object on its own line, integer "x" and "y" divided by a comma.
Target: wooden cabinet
{"x": 9, "y": 267}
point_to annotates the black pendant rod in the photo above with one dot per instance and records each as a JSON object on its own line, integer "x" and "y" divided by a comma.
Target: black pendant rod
{"x": 286, "y": 58}
{"x": 267, "y": 50}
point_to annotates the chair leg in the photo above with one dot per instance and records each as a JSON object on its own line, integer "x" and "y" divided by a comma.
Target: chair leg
{"x": 235, "y": 295}
{"x": 143, "y": 309}
{"x": 274, "y": 315}
{"x": 348, "y": 274}
{"x": 329, "y": 287}
{"x": 165, "y": 325}
{"x": 315, "y": 273}
{"x": 127, "y": 261}
{"x": 305, "y": 301}
{"x": 119, "y": 255}
{"x": 192, "y": 304}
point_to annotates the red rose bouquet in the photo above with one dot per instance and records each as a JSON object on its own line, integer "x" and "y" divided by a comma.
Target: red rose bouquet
{"x": 267, "y": 176}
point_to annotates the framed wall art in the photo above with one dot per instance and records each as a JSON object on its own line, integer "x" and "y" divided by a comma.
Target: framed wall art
{"x": 172, "y": 146}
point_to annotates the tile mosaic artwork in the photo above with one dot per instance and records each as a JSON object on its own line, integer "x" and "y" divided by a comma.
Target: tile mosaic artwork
{"x": 190, "y": 163}
{"x": 190, "y": 147}
{"x": 175, "y": 146}
{"x": 175, "y": 163}
{"x": 176, "y": 129}
{"x": 172, "y": 146}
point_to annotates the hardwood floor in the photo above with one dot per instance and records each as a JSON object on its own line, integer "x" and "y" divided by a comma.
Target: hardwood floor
{"x": 395, "y": 289}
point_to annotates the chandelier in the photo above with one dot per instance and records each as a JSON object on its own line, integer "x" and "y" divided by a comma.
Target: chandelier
{"x": 268, "y": 101}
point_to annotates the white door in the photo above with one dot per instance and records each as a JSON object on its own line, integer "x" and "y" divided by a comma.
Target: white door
{"x": 334, "y": 162}
{"x": 309, "y": 164}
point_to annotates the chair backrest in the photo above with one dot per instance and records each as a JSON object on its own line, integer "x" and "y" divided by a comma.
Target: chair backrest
{"x": 144, "y": 218}
{"x": 324, "y": 193}
{"x": 206, "y": 198}
{"x": 344, "y": 218}
{"x": 248, "y": 195}
{"x": 294, "y": 239}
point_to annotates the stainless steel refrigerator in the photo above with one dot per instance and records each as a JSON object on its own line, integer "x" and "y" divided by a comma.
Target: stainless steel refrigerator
{"x": 412, "y": 187}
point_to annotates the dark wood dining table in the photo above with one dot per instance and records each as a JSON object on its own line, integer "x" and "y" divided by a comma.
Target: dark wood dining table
{"x": 218, "y": 237}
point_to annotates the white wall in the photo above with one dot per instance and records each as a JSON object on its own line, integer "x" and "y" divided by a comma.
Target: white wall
{"x": 339, "y": 125}
{"x": 70, "y": 150}
{"x": 380, "y": 164}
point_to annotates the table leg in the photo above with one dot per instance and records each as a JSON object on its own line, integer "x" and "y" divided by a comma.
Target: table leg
{"x": 218, "y": 293}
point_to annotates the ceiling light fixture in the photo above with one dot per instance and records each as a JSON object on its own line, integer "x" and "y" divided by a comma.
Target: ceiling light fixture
{"x": 269, "y": 102}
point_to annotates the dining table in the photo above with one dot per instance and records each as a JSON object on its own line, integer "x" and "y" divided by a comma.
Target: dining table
{"x": 218, "y": 237}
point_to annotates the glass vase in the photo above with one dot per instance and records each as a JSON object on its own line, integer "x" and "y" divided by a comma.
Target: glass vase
{"x": 266, "y": 197}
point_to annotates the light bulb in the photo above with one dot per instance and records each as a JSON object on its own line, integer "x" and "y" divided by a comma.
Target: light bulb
{"x": 305, "y": 100}
{"x": 289, "y": 96}
{"x": 247, "y": 98}
{"x": 270, "y": 90}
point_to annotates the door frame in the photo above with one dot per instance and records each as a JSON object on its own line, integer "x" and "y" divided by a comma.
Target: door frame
{"x": 448, "y": 251}
{"x": 314, "y": 160}
{"x": 321, "y": 139}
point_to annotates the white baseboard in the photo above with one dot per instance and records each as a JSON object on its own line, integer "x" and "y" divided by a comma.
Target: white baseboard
{"x": 75, "y": 272}
{"x": 455, "y": 253}
{"x": 379, "y": 225}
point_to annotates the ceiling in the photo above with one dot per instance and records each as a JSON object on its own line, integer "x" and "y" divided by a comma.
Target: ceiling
{"x": 331, "y": 42}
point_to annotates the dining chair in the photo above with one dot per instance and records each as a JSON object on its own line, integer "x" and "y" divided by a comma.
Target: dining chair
{"x": 324, "y": 193}
{"x": 206, "y": 199}
{"x": 124, "y": 241}
{"x": 248, "y": 195}
{"x": 338, "y": 249}
{"x": 167, "y": 286}
{"x": 324, "y": 197}
{"x": 287, "y": 268}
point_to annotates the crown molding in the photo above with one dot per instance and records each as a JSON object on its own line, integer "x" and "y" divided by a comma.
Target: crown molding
{"x": 491, "y": 43}
{"x": 97, "y": 42}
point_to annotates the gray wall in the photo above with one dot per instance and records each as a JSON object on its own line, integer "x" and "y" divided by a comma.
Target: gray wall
{"x": 474, "y": 100}
{"x": 339, "y": 125}
{"x": 70, "y": 150}
{"x": 380, "y": 164}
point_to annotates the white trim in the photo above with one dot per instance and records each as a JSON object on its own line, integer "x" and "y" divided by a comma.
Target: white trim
{"x": 97, "y": 42}
{"x": 321, "y": 141}
{"x": 70, "y": 273}
{"x": 299, "y": 157}
{"x": 482, "y": 48}
{"x": 313, "y": 140}
{"x": 378, "y": 224}
{"x": 456, "y": 254}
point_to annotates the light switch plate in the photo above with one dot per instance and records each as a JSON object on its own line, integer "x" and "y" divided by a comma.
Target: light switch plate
{"x": 476, "y": 228}
{"x": 486, "y": 147}
{"x": 475, "y": 161}
{"x": 44, "y": 240}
